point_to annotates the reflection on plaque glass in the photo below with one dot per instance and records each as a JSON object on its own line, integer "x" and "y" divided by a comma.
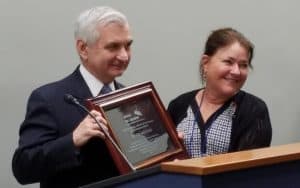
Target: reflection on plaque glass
{"x": 139, "y": 129}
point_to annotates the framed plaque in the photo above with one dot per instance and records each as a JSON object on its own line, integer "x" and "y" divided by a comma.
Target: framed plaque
{"x": 140, "y": 127}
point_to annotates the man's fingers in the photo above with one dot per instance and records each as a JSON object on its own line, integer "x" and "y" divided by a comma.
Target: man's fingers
{"x": 97, "y": 133}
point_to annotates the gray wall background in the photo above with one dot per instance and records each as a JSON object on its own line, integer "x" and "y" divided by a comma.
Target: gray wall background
{"x": 37, "y": 47}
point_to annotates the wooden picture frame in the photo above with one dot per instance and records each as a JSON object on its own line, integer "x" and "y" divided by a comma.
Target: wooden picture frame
{"x": 140, "y": 126}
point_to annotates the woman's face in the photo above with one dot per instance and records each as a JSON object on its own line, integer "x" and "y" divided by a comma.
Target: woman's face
{"x": 226, "y": 71}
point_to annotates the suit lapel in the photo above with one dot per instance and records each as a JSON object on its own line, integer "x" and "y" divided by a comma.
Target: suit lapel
{"x": 118, "y": 85}
{"x": 79, "y": 88}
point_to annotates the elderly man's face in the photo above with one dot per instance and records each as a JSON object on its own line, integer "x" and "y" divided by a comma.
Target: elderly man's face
{"x": 110, "y": 55}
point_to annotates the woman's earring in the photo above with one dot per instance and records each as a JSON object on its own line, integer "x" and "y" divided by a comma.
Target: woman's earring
{"x": 204, "y": 76}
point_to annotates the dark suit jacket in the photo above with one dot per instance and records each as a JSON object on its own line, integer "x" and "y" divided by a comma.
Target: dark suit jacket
{"x": 46, "y": 152}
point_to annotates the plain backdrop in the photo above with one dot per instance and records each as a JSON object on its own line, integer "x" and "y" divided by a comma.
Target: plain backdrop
{"x": 37, "y": 47}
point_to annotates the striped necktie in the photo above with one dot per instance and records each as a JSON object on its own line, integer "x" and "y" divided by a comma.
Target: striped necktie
{"x": 105, "y": 89}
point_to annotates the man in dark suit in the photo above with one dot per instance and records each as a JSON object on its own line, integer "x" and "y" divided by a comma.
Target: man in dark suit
{"x": 60, "y": 145}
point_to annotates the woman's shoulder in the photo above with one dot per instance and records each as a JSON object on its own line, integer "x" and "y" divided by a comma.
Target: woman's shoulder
{"x": 186, "y": 97}
{"x": 249, "y": 99}
{"x": 178, "y": 106}
{"x": 181, "y": 102}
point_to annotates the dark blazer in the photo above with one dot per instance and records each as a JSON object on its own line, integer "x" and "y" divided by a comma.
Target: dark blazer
{"x": 46, "y": 152}
{"x": 251, "y": 126}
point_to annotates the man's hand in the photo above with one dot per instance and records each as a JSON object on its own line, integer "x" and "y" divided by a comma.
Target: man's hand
{"x": 88, "y": 128}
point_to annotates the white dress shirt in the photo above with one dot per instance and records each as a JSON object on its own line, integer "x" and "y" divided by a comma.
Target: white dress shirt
{"x": 93, "y": 83}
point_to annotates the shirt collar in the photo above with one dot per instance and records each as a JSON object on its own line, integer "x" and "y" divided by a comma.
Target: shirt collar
{"x": 93, "y": 83}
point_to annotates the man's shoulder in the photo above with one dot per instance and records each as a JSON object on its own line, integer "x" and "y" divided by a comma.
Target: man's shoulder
{"x": 56, "y": 87}
{"x": 56, "y": 84}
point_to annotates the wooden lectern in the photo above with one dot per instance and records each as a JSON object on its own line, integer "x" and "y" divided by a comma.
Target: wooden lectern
{"x": 274, "y": 167}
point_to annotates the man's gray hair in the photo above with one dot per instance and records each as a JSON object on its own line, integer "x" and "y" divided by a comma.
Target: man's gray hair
{"x": 88, "y": 22}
